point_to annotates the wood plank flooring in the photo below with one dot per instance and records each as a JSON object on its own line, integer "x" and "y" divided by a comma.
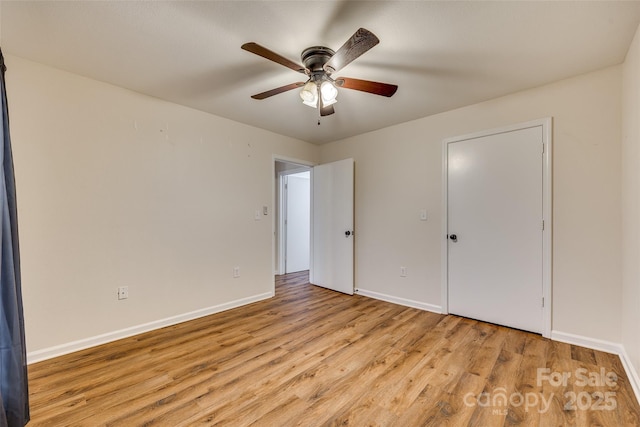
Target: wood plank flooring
{"x": 314, "y": 357}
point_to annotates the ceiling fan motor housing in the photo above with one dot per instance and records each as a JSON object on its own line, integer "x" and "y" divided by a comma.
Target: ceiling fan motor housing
{"x": 314, "y": 59}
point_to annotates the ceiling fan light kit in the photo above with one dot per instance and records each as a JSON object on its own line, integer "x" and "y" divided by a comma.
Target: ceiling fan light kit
{"x": 321, "y": 90}
{"x": 328, "y": 92}
{"x": 309, "y": 94}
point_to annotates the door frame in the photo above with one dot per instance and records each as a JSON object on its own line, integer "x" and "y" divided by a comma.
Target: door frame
{"x": 282, "y": 213}
{"x": 547, "y": 217}
{"x": 276, "y": 226}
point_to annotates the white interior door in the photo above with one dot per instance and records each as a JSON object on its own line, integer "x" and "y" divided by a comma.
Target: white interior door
{"x": 332, "y": 226}
{"x": 297, "y": 221}
{"x": 495, "y": 228}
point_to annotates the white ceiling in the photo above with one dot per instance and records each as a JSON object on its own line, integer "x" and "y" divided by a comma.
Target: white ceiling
{"x": 442, "y": 55}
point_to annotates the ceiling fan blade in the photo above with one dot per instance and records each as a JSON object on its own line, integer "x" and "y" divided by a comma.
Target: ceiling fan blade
{"x": 359, "y": 43}
{"x": 376, "y": 88}
{"x": 272, "y": 56}
{"x": 277, "y": 90}
{"x": 326, "y": 111}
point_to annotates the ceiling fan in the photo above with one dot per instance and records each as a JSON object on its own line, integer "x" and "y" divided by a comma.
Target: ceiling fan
{"x": 320, "y": 62}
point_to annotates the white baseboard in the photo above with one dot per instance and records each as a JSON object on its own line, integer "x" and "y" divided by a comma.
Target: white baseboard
{"x": 632, "y": 374}
{"x": 608, "y": 347}
{"x": 400, "y": 301}
{"x": 62, "y": 349}
{"x": 592, "y": 343}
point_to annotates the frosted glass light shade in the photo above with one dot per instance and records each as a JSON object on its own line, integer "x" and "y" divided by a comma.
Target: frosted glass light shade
{"x": 309, "y": 94}
{"x": 328, "y": 92}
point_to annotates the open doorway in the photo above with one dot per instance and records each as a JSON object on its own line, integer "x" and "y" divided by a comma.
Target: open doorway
{"x": 293, "y": 224}
{"x": 330, "y": 222}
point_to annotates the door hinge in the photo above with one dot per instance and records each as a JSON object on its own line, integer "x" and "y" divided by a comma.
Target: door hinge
{"x": 542, "y": 302}
{"x": 543, "y": 148}
{"x": 543, "y": 224}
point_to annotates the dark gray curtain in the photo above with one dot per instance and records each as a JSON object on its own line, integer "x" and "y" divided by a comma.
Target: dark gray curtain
{"x": 14, "y": 393}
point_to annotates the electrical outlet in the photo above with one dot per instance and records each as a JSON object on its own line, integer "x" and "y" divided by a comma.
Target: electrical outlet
{"x": 123, "y": 292}
{"x": 403, "y": 271}
{"x": 236, "y": 272}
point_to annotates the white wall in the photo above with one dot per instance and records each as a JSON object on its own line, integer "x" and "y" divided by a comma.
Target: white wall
{"x": 116, "y": 188}
{"x": 630, "y": 203}
{"x": 398, "y": 172}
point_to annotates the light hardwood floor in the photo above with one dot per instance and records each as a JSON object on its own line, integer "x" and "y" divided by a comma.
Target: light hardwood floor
{"x": 311, "y": 356}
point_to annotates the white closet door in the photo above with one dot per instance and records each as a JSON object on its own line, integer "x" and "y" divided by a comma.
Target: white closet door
{"x": 495, "y": 244}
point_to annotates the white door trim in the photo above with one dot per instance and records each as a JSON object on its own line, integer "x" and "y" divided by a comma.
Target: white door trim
{"x": 276, "y": 182}
{"x": 547, "y": 234}
{"x": 282, "y": 208}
